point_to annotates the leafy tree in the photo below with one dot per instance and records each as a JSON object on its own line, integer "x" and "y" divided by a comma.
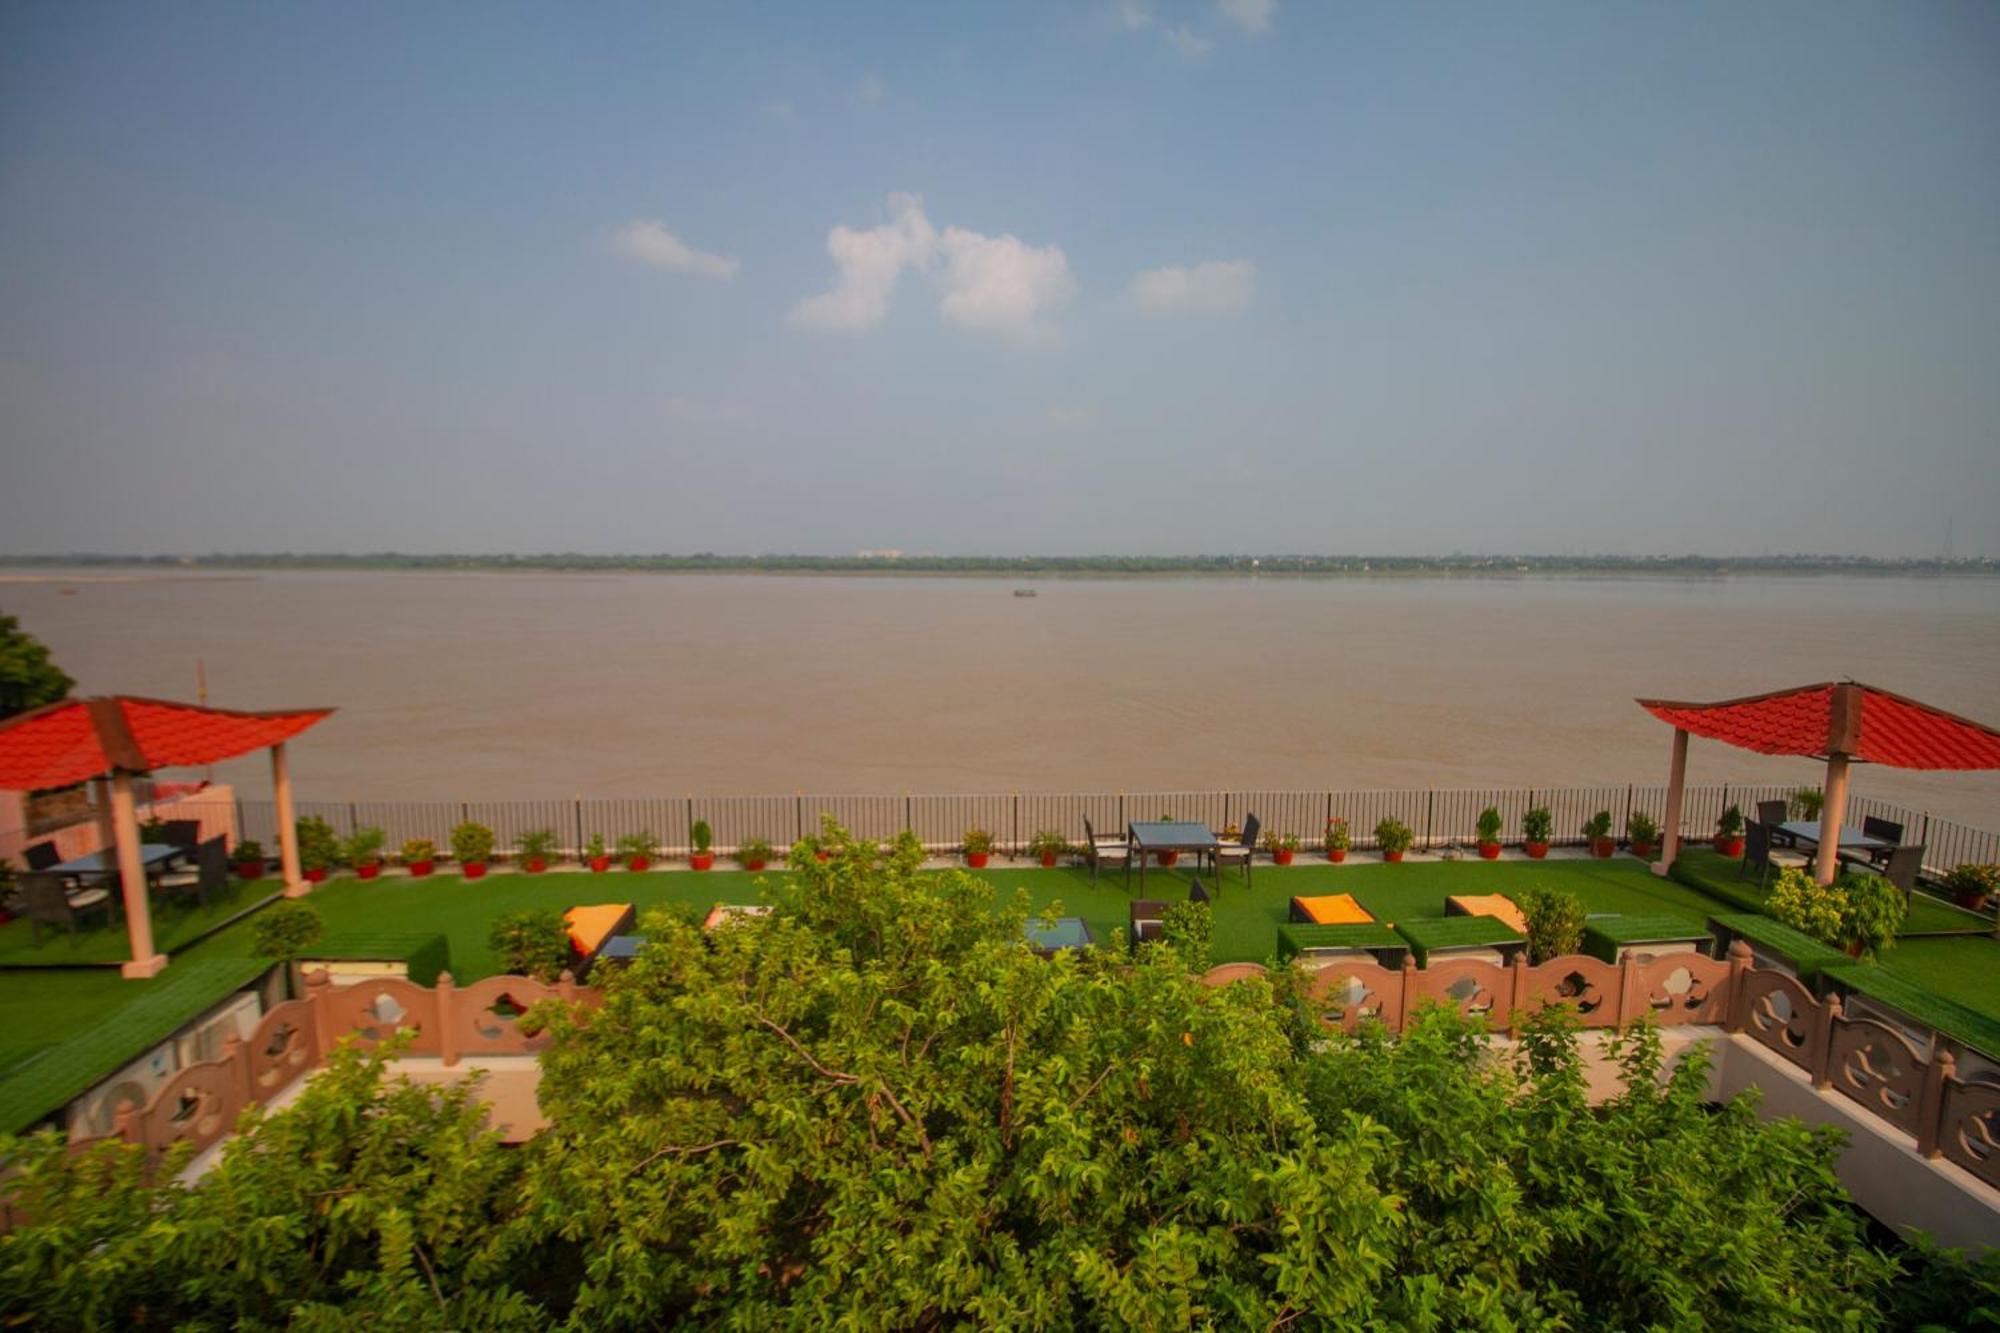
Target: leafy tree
{"x": 1187, "y": 929}
{"x": 533, "y": 942}
{"x": 28, "y": 679}
{"x": 284, "y": 931}
{"x": 1555, "y": 923}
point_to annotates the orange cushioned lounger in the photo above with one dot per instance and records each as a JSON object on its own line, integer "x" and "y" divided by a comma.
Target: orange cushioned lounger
{"x": 1332, "y": 909}
{"x": 590, "y": 927}
{"x": 1496, "y": 905}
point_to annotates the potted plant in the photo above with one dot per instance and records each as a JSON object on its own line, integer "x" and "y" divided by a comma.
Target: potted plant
{"x": 472, "y": 847}
{"x": 753, "y": 853}
{"x": 1489, "y": 834}
{"x": 248, "y": 859}
{"x": 1166, "y": 858}
{"x": 1394, "y": 837}
{"x": 1046, "y": 846}
{"x": 319, "y": 847}
{"x": 703, "y": 837}
{"x": 1536, "y": 826}
{"x": 1282, "y": 847}
{"x": 1337, "y": 840}
{"x": 363, "y": 851}
{"x": 1597, "y": 832}
{"x": 978, "y": 847}
{"x": 1873, "y": 913}
{"x": 1729, "y": 832}
{"x": 638, "y": 849}
{"x": 535, "y": 847}
{"x": 809, "y": 845}
{"x": 1972, "y": 885}
{"x": 420, "y": 855}
{"x": 1806, "y": 802}
{"x": 1644, "y": 833}
{"x": 595, "y": 856}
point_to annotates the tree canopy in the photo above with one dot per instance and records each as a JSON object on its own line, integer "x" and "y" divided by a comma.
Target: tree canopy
{"x": 28, "y": 677}
{"x": 878, "y": 1107}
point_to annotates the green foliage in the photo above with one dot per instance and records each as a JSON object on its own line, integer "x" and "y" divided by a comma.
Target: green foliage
{"x": 1393, "y": 835}
{"x": 1537, "y": 824}
{"x": 594, "y": 849}
{"x": 1338, "y": 839}
{"x": 536, "y": 845}
{"x": 248, "y": 849}
{"x": 1555, "y": 923}
{"x": 1807, "y": 906}
{"x": 319, "y": 845}
{"x": 641, "y": 844}
{"x": 1642, "y": 827}
{"x": 533, "y": 942}
{"x": 153, "y": 830}
{"x": 472, "y": 843}
{"x": 977, "y": 841}
{"x": 363, "y": 847}
{"x": 285, "y": 930}
{"x": 1974, "y": 880}
{"x": 1598, "y": 826}
{"x": 1807, "y": 802}
{"x": 1048, "y": 842}
{"x": 419, "y": 849}
{"x": 754, "y": 851}
{"x": 1731, "y": 823}
{"x": 1275, "y": 842}
{"x": 28, "y": 679}
{"x": 1187, "y": 929}
{"x": 1489, "y": 824}
{"x": 1945, "y": 1291}
{"x": 1872, "y": 913}
{"x": 702, "y": 836}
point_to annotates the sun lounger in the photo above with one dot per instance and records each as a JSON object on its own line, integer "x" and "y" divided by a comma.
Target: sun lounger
{"x": 1331, "y": 909}
{"x": 1496, "y": 905}
{"x": 590, "y": 927}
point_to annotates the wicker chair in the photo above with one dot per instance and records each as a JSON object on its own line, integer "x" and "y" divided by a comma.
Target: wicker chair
{"x": 1238, "y": 853}
{"x": 1760, "y": 855}
{"x": 1104, "y": 851}
{"x": 45, "y": 902}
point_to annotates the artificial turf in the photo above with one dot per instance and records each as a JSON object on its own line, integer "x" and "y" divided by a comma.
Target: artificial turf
{"x": 176, "y": 925}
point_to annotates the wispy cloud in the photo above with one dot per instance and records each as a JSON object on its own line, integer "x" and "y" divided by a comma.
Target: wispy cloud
{"x": 996, "y": 283}
{"x": 1221, "y": 285}
{"x": 649, "y": 242}
{"x": 1253, "y": 16}
{"x": 1190, "y": 44}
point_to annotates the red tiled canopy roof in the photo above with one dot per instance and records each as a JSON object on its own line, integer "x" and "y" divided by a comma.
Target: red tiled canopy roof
{"x": 86, "y": 738}
{"x": 1860, "y": 721}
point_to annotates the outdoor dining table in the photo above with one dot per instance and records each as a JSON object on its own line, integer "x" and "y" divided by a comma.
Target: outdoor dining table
{"x": 1806, "y": 831}
{"x": 1166, "y": 835}
{"x": 154, "y": 856}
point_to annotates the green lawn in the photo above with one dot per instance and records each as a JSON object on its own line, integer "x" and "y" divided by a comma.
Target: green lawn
{"x": 1718, "y": 875}
{"x": 175, "y": 926}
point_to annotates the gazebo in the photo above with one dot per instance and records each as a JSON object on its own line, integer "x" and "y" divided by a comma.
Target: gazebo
{"x": 112, "y": 740}
{"x": 1844, "y": 724}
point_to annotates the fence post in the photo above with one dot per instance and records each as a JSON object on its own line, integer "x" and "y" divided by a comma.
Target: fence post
{"x": 318, "y": 987}
{"x": 353, "y": 819}
{"x": 1121, "y": 812}
{"x": 690, "y": 820}
{"x": 238, "y": 1054}
{"x": 1430, "y": 799}
{"x": 1629, "y": 788}
{"x": 799, "y": 816}
{"x": 909, "y": 812}
{"x": 579, "y": 827}
{"x": 1930, "y": 1106}
{"x": 1017, "y": 824}
{"x": 1627, "y": 984}
{"x": 447, "y": 1029}
{"x": 1822, "y": 1042}
{"x": 1518, "y": 971}
{"x": 1740, "y": 961}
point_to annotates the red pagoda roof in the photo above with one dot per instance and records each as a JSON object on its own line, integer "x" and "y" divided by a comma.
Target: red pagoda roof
{"x": 1860, "y": 721}
{"x": 86, "y": 738}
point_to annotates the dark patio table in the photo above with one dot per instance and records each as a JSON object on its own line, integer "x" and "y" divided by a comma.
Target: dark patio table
{"x": 152, "y": 855}
{"x": 1066, "y": 932}
{"x": 1166, "y": 835}
{"x": 1806, "y": 832}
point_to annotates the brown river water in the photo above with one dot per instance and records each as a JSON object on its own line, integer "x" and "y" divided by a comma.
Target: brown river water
{"x": 495, "y": 686}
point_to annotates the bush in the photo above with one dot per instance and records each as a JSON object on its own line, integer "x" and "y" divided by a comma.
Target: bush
{"x": 633, "y": 846}
{"x": 532, "y": 942}
{"x": 702, "y": 836}
{"x": 1338, "y": 839}
{"x": 1537, "y": 825}
{"x": 472, "y": 843}
{"x": 1393, "y": 835}
{"x": 1872, "y": 914}
{"x": 754, "y": 851}
{"x": 1642, "y": 827}
{"x": 1047, "y": 842}
{"x": 1187, "y": 928}
{"x": 1598, "y": 826}
{"x": 419, "y": 849}
{"x": 1489, "y": 824}
{"x": 1807, "y": 802}
{"x": 1804, "y": 904}
{"x": 285, "y": 930}
{"x": 1555, "y": 923}
{"x": 977, "y": 841}
{"x": 594, "y": 849}
{"x": 536, "y": 845}
{"x": 319, "y": 845}
{"x": 247, "y": 850}
{"x": 1974, "y": 880}
{"x": 364, "y": 846}
{"x": 1275, "y": 842}
{"x": 1731, "y": 823}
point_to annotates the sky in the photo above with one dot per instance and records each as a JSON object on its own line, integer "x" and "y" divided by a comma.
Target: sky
{"x": 1102, "y": 277}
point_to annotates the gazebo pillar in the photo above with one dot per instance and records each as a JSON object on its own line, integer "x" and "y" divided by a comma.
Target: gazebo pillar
{"x": 1677, "y": 771}
{"x": 288, "y": 829}
{"x": 132, "y": 879}
{"x": 1832, "y": 808}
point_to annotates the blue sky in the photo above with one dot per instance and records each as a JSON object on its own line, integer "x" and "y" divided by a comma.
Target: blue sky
{"x": 1168, "y": 276}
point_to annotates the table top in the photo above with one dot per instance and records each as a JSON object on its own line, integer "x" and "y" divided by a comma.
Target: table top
{"x": 1807, "y": 830}
{"x": 1171, "y": 835}
{"x": 97, "y": 863}
{"x": 1065, "y": 932}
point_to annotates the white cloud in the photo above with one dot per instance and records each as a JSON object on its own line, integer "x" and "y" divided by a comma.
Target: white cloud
{"x": 871, "y": 89}
{"x": 1221, "y": 285}
{"x": 648, "y": 241}
{"x": 983, "y": 282}
{"x": 1253, "y": 16}
{"x": 1184, "y": 40}
{"x": 1131, "y": 15}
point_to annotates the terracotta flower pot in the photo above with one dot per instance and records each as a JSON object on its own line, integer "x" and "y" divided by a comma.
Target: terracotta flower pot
{"x": 638, "y": 862}
{"x": 702, "y": 860}
{"x": 1489, "y": 851}
{"x": 370, "y": 871}
{"x": 1049, "y": 860}
{"x": 1282, "y": 857}
{"x": 753, "y": 866}
{"x": 418, "y": 869}
{"x": 822, "y": 857}
{"x": 1731, "y": 847}
{"x": 1853, "y": 948}
{"x": 600, "y": 864}
{"x": 1644, "y": 850}
{"x": 1535, "y": 850}
{"x": 1392, "y": 857}
{"x": 249, "y": 869}
{"x": 535, "y": 865}
{"x": 1972, "y": 900}
{"x": 316, "y": 876}
{"x": 1602, "y": 848}
{"x": 1336, "y": 854}
{"x": 473, "y": 869}
{"x": 977, "y": 860}
{"x": 1166, "y": 858}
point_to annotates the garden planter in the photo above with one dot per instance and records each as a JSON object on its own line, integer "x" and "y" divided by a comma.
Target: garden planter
{"x": 977, "y": 860}
{"x": 249, "y": 869}
{"x": 1731, "y": 847}
{"x": 1336, "y": 854}
{"x": 753, "y": 866}
{"x": 1602, "y": 848}
{"x": 1970, "y": 899}
{"x": 1853, "y": 948}
{"x": 1049, "y": 860}
{"x": 418, "y": 869}
{"x": 372, "y": 870}
{"x": 638, "y": 862}
{"x": 1166, "y": 858}
{"x": 1489, "y": 851}
{"x": 474, "y": 869}
{"x": 535, "y": 865}
{"x": 315, "y": 876}
{"x": 702, "y": 860}
{"x": 1392, "y": 857}
{"x": 600, "y": 864}
{"x": 1281, "y": 857}
{"x": 1535, "y": 850}
{"x": 1644, "y": 850}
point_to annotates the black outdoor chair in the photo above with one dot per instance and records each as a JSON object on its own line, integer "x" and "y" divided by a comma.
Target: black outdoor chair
{"x": 1111, "y": 851}
{"x": 45, "y": 902}
{"x": 211, "y": 873}
{"x": 1760, "y": 855}
{"x": 1886, "y": 830}
{"x": 1197, "y": 894}
{"x": 41, "y": 855}
{"x": 1773, "y": 813}
{"x": 182, "y": 833}
{"x": 1902, "y": 867}
{"x": 1229, "y": 853}
{"x": 1147, "y": 918}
